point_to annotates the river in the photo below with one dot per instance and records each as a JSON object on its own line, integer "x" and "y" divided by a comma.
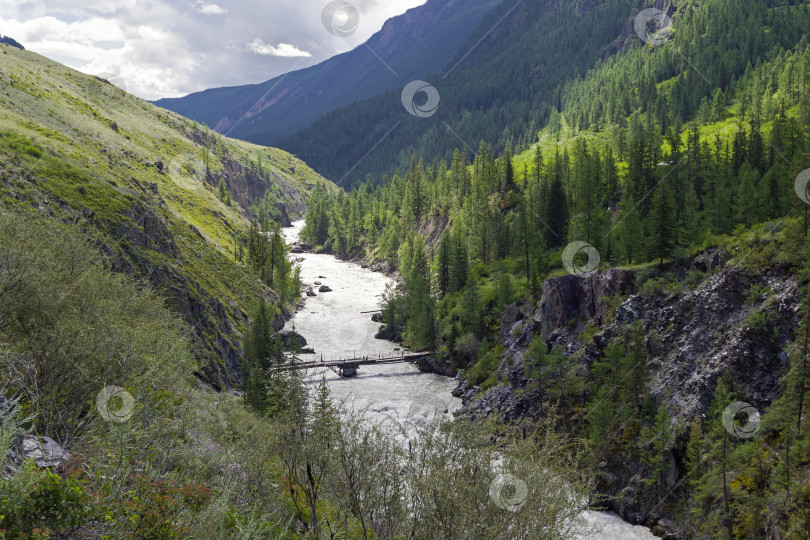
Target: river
{"x": 333, "y": 325}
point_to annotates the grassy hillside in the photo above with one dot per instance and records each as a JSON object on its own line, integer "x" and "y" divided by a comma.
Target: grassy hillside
{"x": 134, "y": 176}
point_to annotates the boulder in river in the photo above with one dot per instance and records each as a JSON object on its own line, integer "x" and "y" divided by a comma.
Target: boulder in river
{"x": 324, "y": 288}
{"x": 310, "y": 292}
{"x": 318, "y": 283}
{"x": 390, "y": 333}
{"x": 290, "y": 339}
{"x": 377, "y": 317}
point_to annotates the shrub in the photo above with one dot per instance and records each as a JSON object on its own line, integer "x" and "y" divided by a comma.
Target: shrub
{"x": 152, "y": 507}
{"x": 467, "y": 346}
{"x": 485, "y": 369}
{"x": 39, "y": 504}
{"x": 66, "y": 316}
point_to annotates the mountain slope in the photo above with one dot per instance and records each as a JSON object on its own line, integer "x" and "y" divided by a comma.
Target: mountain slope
{"x": 640, "y": 275}
{"x": 501, "y": 88}
{"x": 79, "y": 149}
{"x": 530, "y": 67}
{"x": 413, "y": 44}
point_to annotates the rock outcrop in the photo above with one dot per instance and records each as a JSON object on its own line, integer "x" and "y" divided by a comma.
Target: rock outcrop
{"x": 44, "y": 451}
{"x": 708, "y": 319}
{"x": 572, "y": 298}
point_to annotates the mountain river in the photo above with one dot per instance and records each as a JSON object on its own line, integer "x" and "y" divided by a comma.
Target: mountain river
{"x": 333, "y": 325}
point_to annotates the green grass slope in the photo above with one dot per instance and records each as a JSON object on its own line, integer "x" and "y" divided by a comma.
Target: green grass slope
{"x": 79, "y": 149}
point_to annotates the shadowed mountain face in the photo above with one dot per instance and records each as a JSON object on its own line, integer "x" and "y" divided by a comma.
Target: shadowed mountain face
{"x": 408, "y": 47}
{"x": 6, "y": 40}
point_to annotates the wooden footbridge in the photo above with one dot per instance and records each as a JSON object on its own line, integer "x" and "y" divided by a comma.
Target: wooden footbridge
{"x": 348, "y": 367}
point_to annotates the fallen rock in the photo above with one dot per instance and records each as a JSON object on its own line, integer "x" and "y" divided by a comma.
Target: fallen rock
{"x": 377, "y": 317}
{"x": 44, "y": 451}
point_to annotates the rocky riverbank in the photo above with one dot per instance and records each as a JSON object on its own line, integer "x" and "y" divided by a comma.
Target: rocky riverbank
{"x": 711, "y": 319}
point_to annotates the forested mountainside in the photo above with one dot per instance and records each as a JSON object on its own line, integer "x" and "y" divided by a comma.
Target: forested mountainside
{"x": 530, "y": 71}
{"x": 133, "y": 246}
{"x": 167, "y": 201}
{"x": 410, "y": 46}
{"x": 638, "y": 274}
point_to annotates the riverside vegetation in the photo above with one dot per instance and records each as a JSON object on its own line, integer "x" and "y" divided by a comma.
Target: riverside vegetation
{"x": 114, "y": 273}
{"x": 192, "y": 463}
{"x": 654, "y": 166}
{"x": 119, "y": 270}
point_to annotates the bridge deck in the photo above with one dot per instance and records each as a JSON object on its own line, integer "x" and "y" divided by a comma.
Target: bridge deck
{"x": 352, "y": 362}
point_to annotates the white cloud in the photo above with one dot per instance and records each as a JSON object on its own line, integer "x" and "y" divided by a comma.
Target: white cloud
{"x": 211, "y": 9}
{"x": 168, "y": 48}
{"x": 286, "y": 50}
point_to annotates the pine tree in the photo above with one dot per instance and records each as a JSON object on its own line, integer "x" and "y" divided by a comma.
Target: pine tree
{"x": 694, "y": 454}
{"x": 459, "y": 265}
{"x": 421, "y": 305}
{"x": 662, "y": 224}
{"x": 222, "y": 189}
{"x": 472, "y": 316}
{"x": 443, "y": 264}
{"x": 630, "y": 231}
{"x": 259, "y": 351}
{"x": 557, "y": 211}
{"x": 663, "y": 435}
{"x": 505, "y": 290}
{"x": 508, "y": 184}
{"x": 538, "y": 165}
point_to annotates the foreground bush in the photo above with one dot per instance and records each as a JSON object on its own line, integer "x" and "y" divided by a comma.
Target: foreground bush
{"x": 186, "y": 462}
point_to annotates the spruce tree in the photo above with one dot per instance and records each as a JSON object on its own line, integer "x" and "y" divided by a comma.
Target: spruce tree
{"x": 630, "y": 231}
{"x": 443, "y": 264}
{"x": 259, "y": 351}
{"x": 557, "y": 213}
{"x": 662, "y": 229}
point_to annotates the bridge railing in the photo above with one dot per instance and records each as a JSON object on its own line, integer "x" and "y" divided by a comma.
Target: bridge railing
{"x": 356, "y": 360}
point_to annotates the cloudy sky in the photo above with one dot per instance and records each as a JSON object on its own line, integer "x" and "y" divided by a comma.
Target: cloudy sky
{"x": 169, "y": 48}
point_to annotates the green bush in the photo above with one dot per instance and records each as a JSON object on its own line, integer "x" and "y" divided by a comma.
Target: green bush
{"x": 485, "y": 370}
{"x": 152, "y": 507}
{"x": 39, "y": 504}
{"x": 72, "y": 327}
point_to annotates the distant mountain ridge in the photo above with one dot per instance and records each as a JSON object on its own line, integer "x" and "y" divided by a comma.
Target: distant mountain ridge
{"x": 6, "y": 40}
{"x": 421, "y": 41}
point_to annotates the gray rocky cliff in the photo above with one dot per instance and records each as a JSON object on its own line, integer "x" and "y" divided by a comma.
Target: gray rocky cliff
{"x": 706, "y": 320}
